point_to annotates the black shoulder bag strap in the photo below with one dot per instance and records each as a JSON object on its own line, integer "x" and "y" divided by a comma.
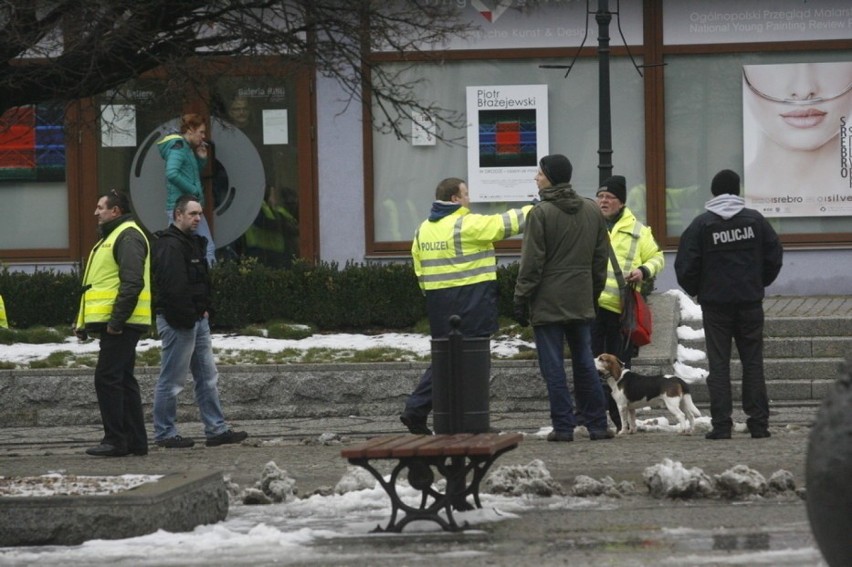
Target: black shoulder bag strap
{"x": 627, "y": 315}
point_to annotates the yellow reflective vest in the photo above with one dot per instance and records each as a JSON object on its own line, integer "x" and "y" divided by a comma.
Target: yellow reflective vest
{"x": 634, "y": 246}
{"x": 458, "y": 249}
{"x": 270, "y": 237}
{"x": 4, "y": 323}
{"x": 101, "y": 283}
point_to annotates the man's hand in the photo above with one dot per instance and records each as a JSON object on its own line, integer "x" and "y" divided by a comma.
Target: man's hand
{"x": 522, "y": 313}
{"x": 635, "y": 276}
{"x": 80, "y": 333}
{"x": 111, "y": 331}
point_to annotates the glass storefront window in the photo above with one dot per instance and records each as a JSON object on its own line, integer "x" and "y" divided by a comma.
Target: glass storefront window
{"x": 32, "y": 178}
{"x": 130, "y": 118}
{"x": 255, "y": 122}
{"x": 704, "y": 133}
{"x": 252, "y": 175}
{"x": 405, "y": 175}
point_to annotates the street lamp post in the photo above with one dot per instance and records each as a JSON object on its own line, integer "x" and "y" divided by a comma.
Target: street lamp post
{"x": 604, "y": 17}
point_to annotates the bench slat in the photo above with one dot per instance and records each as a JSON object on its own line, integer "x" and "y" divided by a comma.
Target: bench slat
{"x": 404, "y": 445}
{"x": 481, "y": 444}
{"x": 378, "y": 447}
{"x": 440, "y": 443}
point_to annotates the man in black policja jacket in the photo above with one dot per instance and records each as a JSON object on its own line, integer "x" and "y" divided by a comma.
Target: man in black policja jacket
{"x": 726, "y": 258}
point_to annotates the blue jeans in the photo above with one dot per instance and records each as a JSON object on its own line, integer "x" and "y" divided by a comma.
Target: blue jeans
{"x": 550, "y": 344}
{"x": 184, "y": 351}
{"x": 203, "y": 230}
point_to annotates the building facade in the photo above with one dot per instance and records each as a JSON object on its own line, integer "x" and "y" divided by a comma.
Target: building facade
{"x": 759, "y": 87}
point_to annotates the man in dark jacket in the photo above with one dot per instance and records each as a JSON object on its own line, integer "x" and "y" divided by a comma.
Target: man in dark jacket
{"x": 182, "y": 304}
{"x": 562, "y": 274}
{"x": 726, "y": 258}
{"x": 116, "y": 305}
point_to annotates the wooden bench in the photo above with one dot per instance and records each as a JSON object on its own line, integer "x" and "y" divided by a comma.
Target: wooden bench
{"x": 455, "y": 457}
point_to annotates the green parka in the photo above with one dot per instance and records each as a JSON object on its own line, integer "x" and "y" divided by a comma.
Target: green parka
{"x": 564, "y": 258}
{"x": 183, "y": 169}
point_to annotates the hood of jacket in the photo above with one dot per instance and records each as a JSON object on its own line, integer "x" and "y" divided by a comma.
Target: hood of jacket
{"x": 725, "y": 205}
{"x": 564, "y": 197}
{"x": 169, "y": 141}
{"x": 441, "y": 209}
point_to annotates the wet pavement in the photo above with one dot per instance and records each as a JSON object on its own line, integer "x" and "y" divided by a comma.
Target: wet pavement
{"x": 633, "y": 530}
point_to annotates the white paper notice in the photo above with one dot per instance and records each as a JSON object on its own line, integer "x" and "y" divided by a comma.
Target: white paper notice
{"x": 422, "y": 129}
{"x": 275, "y": 127}
{"x": 118, "y": 126}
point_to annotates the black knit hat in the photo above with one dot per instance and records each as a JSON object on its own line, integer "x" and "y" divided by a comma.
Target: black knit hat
{"x": 557, "y": 168}
{"x": 725, "y": 182}
{"x": 616, "y": 185}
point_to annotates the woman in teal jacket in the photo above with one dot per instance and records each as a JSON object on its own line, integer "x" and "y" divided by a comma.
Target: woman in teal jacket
{"x": 185, "y": 154}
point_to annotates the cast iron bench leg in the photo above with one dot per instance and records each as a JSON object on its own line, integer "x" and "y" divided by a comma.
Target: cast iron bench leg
{"x": 480, "y": 466}
{"x": 421, "y": 470}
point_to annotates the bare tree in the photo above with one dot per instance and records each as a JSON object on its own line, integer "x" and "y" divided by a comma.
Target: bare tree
{"x": 63, "y": 50}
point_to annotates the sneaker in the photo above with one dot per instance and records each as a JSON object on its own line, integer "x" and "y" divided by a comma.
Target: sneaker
{"x": 601, "y": 435}
{"x": 229, "y": 437}
{"x": 415, "y": 425}
{"x": 760, "y": 434}
{"x": 560, "y": 436}
{"x": 176, "y": 442}
{"x": 718, "y": 434}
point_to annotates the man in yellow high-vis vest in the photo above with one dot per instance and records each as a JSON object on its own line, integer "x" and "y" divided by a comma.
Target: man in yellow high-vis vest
{"x": 116, "y": 305}
{"x": 639, "y": 258}
{"x": 455, "y": 263}
{"x": 4, "y": 323}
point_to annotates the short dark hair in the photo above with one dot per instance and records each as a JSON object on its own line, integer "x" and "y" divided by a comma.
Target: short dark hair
{"x": 182, "y": 202}
{"x": 115, "y": 198}
{"x": 448, "y": 188}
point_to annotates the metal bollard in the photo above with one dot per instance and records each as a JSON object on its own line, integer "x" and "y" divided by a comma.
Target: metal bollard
{"x": 461, "y": 370}
{"x": 828, "y": 469}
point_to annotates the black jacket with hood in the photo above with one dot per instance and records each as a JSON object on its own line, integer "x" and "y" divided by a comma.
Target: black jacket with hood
{"x": 728, "y": 254}
{"x": 181, "y": 277}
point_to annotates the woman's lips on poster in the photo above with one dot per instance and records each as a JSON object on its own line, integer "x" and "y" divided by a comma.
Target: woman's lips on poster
{"x": 805, "y": 118}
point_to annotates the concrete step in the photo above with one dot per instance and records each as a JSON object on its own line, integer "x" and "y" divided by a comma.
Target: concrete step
{"x": 787, "y": 368}
{"x": 787, "y": 391}
{"x": 797, "y": 326}
{"x": 793, "y": 347}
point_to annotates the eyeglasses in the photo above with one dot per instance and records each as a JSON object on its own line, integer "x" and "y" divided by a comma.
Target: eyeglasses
{"x": 794, "y": 101}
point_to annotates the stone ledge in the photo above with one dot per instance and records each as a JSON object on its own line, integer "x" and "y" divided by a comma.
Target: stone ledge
{"x": 178, "y": 502}
{"x": 66, "y": 397}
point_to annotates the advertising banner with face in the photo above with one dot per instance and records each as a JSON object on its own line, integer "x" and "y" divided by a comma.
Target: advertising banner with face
{"x": 797, "y": 139}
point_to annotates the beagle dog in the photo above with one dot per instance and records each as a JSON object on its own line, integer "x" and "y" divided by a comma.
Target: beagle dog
{"x": 631, "y": 390}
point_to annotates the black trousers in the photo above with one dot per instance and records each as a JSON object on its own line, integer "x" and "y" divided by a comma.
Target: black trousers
{"x": 118, "y": 391}
{"x": 607, "y": 338}
{"x": 742, "y": 323}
